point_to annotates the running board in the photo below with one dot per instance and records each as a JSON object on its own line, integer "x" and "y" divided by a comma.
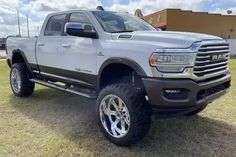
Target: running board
{"x": 62, "y": 88}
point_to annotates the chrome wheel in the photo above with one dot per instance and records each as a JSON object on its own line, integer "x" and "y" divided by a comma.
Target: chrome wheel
{"x": 114, "y": 116}
{"x": 15, "y": 80}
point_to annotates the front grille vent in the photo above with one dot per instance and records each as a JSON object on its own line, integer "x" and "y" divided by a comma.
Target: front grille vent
{"x": 211, "y": 59}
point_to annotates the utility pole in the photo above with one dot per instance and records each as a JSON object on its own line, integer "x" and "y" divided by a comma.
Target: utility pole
{"x": 27, "y": 18}
{"x": 18, "y": 21}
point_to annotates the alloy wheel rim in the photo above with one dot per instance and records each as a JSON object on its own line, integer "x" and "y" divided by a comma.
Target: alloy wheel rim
{"x": 114, "y": 116}
{"x": 15, "y": 80}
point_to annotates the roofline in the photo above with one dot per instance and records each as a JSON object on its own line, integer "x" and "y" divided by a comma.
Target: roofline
{"x": 180, "y": 10}
{"x": 164, "y": 10}
{"x": 77, "y": 10}
{"x": 68, "y": 11}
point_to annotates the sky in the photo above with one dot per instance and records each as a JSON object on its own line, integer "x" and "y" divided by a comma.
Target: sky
{"x": 38, "y": 9}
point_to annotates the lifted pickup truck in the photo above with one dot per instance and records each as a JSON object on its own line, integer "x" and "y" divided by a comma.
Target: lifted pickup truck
{"x": 127, "y": 65}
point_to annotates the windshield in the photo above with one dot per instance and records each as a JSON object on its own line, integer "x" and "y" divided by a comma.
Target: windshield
{"x": 115, "y": 22}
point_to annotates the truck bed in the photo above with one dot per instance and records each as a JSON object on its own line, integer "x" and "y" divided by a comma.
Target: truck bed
{"x": 27, "y": 45}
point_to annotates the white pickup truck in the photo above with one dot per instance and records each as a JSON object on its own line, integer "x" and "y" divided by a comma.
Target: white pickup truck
{"x": 127, "y": 65}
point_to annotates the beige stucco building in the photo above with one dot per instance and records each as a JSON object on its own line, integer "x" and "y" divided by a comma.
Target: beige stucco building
{"x": 200, "y": 22}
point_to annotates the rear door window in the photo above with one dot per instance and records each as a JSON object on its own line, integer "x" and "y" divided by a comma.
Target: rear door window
{"x": 55, "y": 25}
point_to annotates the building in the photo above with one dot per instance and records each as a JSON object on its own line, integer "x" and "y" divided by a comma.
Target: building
{"x": 2, "y": 43}
{"x": 223, "y": 26}
{"x": 201, "y": 22}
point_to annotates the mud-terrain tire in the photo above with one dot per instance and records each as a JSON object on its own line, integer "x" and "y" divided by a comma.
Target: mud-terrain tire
{"x": 19, "y": 80}
{"x": 132, "y": 112}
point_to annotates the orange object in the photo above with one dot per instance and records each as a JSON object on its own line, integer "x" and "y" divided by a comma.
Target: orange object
{"x": 153, "y": 60}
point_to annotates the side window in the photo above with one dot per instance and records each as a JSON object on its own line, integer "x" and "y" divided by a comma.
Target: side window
{"x": 83, "y": 19}
{"x": 55, "y": 25}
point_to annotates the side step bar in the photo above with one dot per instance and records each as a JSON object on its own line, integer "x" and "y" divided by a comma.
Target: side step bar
{"x": 62, "y": 88}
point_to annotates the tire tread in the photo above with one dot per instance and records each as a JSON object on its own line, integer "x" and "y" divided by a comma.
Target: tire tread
{"x": 141, "y": 112}
{"x": 27, "y": 87}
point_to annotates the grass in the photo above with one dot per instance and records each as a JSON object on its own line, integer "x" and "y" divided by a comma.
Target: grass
{"x": 51, "y": 123}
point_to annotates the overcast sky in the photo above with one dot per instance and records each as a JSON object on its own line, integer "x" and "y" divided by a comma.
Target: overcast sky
{"x": 38, "y": 9}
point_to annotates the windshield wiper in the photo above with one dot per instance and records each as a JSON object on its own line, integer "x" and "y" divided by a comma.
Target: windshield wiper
{"x": 122, "y": 31}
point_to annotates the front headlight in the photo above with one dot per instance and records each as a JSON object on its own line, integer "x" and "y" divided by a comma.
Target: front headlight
{"x": 172, "y": 62}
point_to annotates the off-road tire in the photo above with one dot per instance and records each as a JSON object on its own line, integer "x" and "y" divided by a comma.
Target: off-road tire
{"x": 27, "y": 87}
{"x": 139, "y": 110}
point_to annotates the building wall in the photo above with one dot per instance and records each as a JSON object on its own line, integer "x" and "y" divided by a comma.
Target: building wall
{"x": 220, "y": 25}
{"x": 158, "y": 18}
{"x": 178, "y": 20}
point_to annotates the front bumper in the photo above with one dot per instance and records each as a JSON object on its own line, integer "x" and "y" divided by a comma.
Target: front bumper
{"x": 184, "y": 93}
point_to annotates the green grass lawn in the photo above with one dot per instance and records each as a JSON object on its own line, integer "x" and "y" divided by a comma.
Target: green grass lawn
{"x": 53, "y": 123}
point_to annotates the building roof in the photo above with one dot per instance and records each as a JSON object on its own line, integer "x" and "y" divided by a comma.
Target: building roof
{"x": 180, "y": 10}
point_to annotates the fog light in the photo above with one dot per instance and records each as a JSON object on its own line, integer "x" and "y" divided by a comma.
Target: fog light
{"x": 172, "y": 91}
{"x": 175, "y": 94}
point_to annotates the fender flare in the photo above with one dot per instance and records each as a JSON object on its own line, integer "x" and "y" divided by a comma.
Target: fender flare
{"x": 23, "y": 56}
{"x": 125, "y": 61}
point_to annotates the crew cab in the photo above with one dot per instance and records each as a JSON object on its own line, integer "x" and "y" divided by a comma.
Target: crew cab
{"x": 128, "y": 66}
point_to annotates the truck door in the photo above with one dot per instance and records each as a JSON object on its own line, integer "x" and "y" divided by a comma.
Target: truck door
{"x": 47, "y": 50}
{"x": 78, "y": 57}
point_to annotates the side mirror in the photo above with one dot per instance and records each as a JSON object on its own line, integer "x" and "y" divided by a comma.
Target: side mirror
{"x": 80, "y": 30}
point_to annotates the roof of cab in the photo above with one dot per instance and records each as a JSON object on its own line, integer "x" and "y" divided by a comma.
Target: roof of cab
{"x": 72, "y": 11}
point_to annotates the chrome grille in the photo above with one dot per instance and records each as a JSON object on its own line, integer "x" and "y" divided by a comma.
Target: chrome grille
{"x": 211, "y": 59}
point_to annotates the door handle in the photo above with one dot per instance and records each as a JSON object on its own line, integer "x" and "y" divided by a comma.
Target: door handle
{"x": 66, "y": 45}
{"x": 41, "y": 44}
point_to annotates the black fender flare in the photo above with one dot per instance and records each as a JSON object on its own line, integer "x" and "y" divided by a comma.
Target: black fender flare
{"x": 23, "y": 56}
{"x": 125, "y": 61}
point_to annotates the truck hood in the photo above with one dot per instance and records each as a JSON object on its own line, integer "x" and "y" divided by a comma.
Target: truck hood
{"x": 164, "y": 39}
